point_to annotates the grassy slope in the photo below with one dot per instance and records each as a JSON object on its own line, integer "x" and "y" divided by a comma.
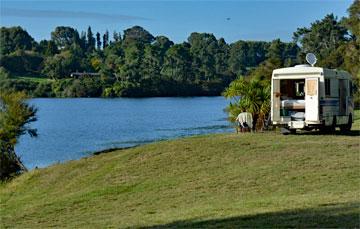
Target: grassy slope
{"x": 217, "y": 180}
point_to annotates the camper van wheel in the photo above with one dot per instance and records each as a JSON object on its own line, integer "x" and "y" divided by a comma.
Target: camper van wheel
{"x": 329, "y": 129}
{"x": 347, "y": 127}
{"x": 286, "y": 131}
{"x": 332, "y": 128}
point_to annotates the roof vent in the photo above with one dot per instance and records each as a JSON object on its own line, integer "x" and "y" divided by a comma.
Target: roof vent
{"x": 301, "y": 65}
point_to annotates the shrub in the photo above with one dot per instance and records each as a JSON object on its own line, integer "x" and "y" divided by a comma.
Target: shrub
{"x": 15, "y": 115}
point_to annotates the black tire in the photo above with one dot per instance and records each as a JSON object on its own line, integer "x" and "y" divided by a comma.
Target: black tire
{"x": 347, "y": 127}
{"x": 287, "y": 131}
{"x": 329, "y": 129}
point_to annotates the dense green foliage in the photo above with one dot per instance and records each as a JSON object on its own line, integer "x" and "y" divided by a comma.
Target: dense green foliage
{"x": 217, "y": 181}
{"x": 139, "y": 64}
{"x": 135, "y": 64}
{"x": 252, "y": 96}
{"x": 15, "y": 115}
{"x": 335, "y": 43}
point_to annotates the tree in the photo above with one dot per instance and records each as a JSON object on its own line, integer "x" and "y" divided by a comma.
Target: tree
{"x": 264, "y": 71}
{"x": 130, "y": 70}
{"x": 64, "y": 36}
{"x": 4, "y": 74}
{"x": 43, "y": 90}
{"x": 257, "y": 52}
{"x": 83, "y": 41}
{"x": 162, "y": 44}
{"x": 22, "y": 62}
{"x": 90, "y": 40}
{"x": 221, "y": 58}
{"x": 249, "y": 95}
{"x": 351, "y": 50}
{"x": 203, "y": 47}
{"x": 353, "y": 21}
{"x": 114, "y": 56}
{"x": 15, "y": 115}
{"x": 322, "y": 38}
{"x": 116, "y": 36}
{"x": 47, "y": 48}
{"x": 105, "y": 39}
{"x": 151, "y": 68}
{"x": 237, "y": 59}
{"x": 246, "y": 54}
{"x": 15, "y": 38}
{"x": 63, "y": 64}
{"x": 137, "y": 34}
{"x": 276, "y": 50}
{"x": 151, "y": 62}
{"x": 177, "y": 64}
{"x": 98, "y": 41}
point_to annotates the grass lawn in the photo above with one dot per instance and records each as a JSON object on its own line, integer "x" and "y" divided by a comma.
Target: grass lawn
{"x": 34, "y": 79}
{"x": 224, "y": 180}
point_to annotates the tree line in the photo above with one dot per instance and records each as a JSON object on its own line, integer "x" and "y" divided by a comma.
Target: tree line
{"x": 133, "y": 64}
{"x": 138, "y": 64}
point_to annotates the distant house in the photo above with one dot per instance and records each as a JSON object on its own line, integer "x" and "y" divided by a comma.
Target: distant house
{"x": 83, "y": 74}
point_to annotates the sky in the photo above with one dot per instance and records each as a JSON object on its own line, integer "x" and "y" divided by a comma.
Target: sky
{"x": 233, "y": 20}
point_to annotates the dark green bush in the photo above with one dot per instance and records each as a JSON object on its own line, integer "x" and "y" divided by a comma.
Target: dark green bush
{"x": 10, "y": 164}
{"x": 15, "y": 115}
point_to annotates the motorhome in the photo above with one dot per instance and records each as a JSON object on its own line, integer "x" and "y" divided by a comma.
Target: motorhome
{"x": 306, "y": 97}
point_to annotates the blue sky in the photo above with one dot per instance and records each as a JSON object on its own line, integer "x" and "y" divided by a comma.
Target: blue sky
{"x": 232, "y": 20}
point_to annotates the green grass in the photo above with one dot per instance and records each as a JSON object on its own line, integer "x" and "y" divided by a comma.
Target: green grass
{"x": 225, "y": 180}
{"x": 33, "y": 79}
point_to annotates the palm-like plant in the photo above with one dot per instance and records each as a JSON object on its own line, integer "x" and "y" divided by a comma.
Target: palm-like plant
{"x": 248, "y": 95}
{"x": 15, "y": 115}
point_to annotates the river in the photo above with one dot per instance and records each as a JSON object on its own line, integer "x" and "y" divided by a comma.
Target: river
{"x": 72, "y": 128}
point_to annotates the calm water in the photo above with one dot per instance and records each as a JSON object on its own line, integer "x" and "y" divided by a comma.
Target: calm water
{"x": 73, "y": 128}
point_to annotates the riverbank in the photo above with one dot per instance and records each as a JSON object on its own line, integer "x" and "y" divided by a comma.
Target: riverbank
{"x": 248, "y": 180}
{"x": 112, "y": 150}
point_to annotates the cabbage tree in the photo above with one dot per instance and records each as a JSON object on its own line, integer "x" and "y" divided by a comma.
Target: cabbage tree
{"x": 251, "y": 96}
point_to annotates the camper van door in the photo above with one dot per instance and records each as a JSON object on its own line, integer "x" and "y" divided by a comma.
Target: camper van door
{"x": 275, "y": 98}
{"x": 312, "y": 99}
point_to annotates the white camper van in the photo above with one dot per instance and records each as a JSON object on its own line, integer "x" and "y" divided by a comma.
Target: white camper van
{"x": 306, "y": 97}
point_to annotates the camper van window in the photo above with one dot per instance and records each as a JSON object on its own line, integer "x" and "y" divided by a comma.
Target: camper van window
{"x": 292, "y": 89}
{"x": 327, "y": 87}
{"x": 299, "y": 86}
{"x": 311, "y": 87}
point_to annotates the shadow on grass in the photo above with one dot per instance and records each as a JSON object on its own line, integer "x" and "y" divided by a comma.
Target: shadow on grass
{"x": 347, "y": 133}
{"x": 325, "y": 216}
